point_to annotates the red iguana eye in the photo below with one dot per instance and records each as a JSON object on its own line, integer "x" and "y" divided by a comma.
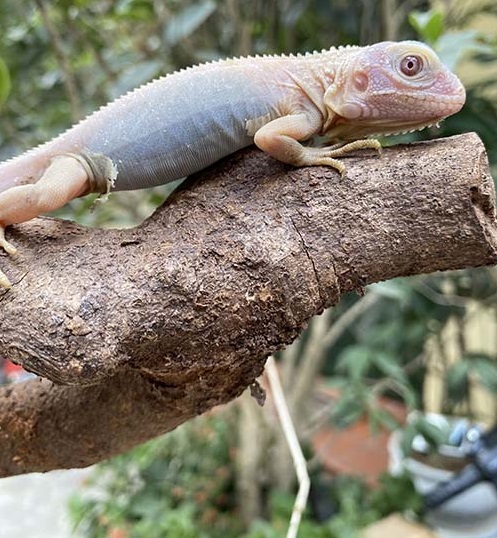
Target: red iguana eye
{"x": 411, "y": 65}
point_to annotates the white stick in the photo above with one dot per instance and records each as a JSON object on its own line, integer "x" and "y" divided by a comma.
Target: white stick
{"x": 299, "y": 462}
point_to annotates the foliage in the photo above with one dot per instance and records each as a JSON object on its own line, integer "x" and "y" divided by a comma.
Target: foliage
{"x": 4, "y": 82}
{"x": 179, "y": 485}
{"x": 431, "y": 433}
{"x": 356, "y": 507}
{"x": 381, "y": 354}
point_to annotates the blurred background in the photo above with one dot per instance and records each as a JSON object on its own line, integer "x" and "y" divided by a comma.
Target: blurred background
{"x": 374, "y": 364}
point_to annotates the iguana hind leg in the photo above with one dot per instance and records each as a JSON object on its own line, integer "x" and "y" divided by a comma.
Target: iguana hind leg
{"x": 65, "y": 179}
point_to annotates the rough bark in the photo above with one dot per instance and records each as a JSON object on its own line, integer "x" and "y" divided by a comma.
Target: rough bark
{"x": 140, "y": 330}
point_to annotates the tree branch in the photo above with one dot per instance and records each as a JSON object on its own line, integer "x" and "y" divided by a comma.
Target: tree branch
{"x": 155, "y": 325}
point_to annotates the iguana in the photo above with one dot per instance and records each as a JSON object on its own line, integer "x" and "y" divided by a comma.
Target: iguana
{"x": 185, "y": 121}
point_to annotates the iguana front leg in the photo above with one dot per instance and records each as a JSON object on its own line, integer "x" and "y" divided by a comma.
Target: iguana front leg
{"x": 65, "y": 179}
{"x": 280, "y": 139}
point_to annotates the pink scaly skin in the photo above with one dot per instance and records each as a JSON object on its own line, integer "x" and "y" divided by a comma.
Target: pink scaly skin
{"x": 181, "y": 123}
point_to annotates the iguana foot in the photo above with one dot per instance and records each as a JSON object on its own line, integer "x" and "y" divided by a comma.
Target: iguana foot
{"x": 329, "y": 155}
{"x": 65, "y": 179}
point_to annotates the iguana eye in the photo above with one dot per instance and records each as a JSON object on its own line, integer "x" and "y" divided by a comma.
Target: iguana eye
{"x": 411, "y": 65}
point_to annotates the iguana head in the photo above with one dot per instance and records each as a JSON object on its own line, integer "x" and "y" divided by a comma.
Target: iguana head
{"x": 390, "y": 88}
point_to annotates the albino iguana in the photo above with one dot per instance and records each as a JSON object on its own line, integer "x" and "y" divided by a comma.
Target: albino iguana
{"x": 183, "y": 122}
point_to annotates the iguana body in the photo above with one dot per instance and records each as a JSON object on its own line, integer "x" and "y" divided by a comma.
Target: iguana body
{"x": 183, "y": 122}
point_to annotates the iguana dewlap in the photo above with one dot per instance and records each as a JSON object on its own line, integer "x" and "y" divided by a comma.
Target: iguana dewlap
{"x": 183, "y": 122}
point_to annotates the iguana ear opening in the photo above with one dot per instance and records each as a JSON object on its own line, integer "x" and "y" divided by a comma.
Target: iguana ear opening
{"x": 360, "y": 80}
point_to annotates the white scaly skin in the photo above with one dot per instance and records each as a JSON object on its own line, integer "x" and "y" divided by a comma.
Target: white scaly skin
{"x": 181, "y": 123}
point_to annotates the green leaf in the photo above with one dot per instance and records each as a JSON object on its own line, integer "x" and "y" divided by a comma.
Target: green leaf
{"x": 486, "y": 370}
{"x": 188, "y": 20}
{"x": 354, "y": 361}
{"x": 349, "y": 408}
{"x": 453, "y": 45}
{"x": 408, "y": 435}
{"x": 457, "y": 380}
{"x": 5, "y": 84}
{"x": 433, "y": 435}
{"x": 429, "y": 25}
{"x": 396, "y": 494}
{"x": 337, "y": 382}
{"x": 409, "y": 394}
{"x": 381, "y": 418}
{"x": 388, "y": 365}
{"x": 134, "y": 9}
{"x": 393, "y": 289}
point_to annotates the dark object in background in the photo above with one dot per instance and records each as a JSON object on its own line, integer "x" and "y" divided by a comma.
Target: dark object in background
{"x": 482, "y": 452}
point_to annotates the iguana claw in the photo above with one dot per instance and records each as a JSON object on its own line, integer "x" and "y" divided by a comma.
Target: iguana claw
{"x": 9, "y": 249}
